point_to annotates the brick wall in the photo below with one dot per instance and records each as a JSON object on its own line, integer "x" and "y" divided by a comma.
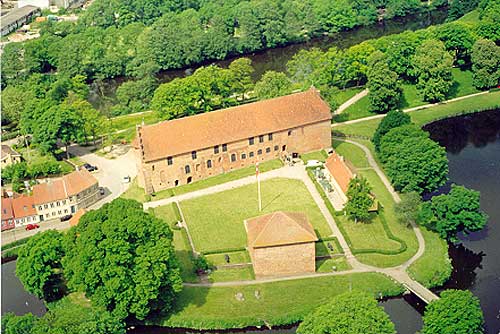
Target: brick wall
{"x": 284, "y": 260}
{"x": 158, "y": 175}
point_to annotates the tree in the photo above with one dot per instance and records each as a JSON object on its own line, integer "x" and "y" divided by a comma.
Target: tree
{"x": 457, "y": 312}
{"x": 14, "y": 100}
{"x": 384, "y": 89}
{"x": 359, "y": 199}
{"x": 273, "y": 84}
{"x": 433, "y": 69}
{"x": 13, "y": 324}
{"x": 69, "y": 318}
{"x": 485, "y": 64}
{"x": 413, "y": 161}
{"x": 489, "y": 15}
{"x": 351, "y": 312}
{"x": 123, "y": 260}
{"x": 242, "y": 71}
{"x": 93, "y": 121}
{"x": 457, "y": 211}
{"x": 39, "y": 264}
{"x": 458, "y": 39}
{"x": 407, "y": 211}
{"x": 392, "y": 120}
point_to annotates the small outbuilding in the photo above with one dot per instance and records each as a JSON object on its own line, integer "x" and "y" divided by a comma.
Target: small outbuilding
{"x": 281, "y": 244}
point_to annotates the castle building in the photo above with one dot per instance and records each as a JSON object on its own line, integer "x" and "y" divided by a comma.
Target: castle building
{"x": 181, "y": 151}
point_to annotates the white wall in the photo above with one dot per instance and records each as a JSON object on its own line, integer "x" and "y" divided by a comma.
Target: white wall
{"x": 44, "y": 4}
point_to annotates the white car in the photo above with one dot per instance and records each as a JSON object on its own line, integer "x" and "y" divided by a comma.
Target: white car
{"x": 314, "y": 163}
{"x": 126, "y": 179}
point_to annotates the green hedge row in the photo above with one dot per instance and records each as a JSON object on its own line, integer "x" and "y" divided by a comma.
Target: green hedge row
{"x": 402, "y": 244}
{"x": 15, "y": 243}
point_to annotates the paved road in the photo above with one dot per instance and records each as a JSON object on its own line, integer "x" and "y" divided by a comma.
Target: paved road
{"x": 351, "y": 101}
{"x": 20, "y": 232}
{"x": 425, "y": 106}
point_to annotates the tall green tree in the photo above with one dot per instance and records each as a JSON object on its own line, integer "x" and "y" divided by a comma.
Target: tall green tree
{"x": 392, "y": 120}
{"x": 350, "y": 312}
{"x": 273, "y": 84}
{"x": 457, "y": 211}
{"x": 457, "y": 312}
{"x": 384, "y": 89}
{"x": 123, "y": 259}
{"x": 413, "y": 161}
{"x": 458, "y": 39}
{"x": 489, "y": 15}
{"x": 433, "y": 65}
{"x": 39, "y": 264}
{"x": 485, "y": 64}
{"x": 177, "y": 98}
{"x": 359, "y": 199}
{"x": 408, "y": 209}
{"x": 13, "y": 324}
{"x": 242, "y": 71}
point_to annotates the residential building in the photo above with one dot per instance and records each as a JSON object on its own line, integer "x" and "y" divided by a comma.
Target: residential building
{"x": 24, "y": 210}
{"x": 281, "y": 244}
{"x": 339, "y": 174}
{"x": 7, "y": 214}
{"x": 9, "y": 156}
{"x": 64, "y": 196}
{"x": 181, "y": 151}
{"x": 18, "y": 17}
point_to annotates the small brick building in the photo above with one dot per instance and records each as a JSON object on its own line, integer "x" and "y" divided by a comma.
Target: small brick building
{"x": 189, "y": 149}
{"x": 281, "y": 244}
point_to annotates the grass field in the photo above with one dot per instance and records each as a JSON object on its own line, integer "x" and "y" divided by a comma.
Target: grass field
{"x": 424, "y": 116}
{"x": 343, "y": 95}
{"x": 317, "y": 155}
{"x": 278, "y": 303}
{"x": 216, "y": 221}
{"x": 359, "y": 109}
{"x": 352, "y": 153}
{"x": 232, "y": 274}
{"x": 434, "y": 267}
{"x": 234, "y": 258}
{"x": 137, "y": 193}
{"x": 327, "y": 265}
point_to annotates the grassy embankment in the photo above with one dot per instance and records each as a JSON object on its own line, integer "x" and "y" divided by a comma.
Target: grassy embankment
{"x": 411, "y": 98}
{"x": 276, "y": 303}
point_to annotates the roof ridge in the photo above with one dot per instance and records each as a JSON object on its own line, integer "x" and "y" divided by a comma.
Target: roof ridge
{"x": 298, "y": 224}
{"x": 264, "y": 227}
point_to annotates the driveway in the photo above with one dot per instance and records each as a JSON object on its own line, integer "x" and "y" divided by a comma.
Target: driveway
{"x": 20, "y": 232}
{"x": 110, "y": 172}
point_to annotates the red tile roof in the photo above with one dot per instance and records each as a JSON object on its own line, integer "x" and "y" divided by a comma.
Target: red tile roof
{"x": 24, "y": 206}
{"x": 7, "y": 212}
{"x": 192, "y": 133}
{"x": 279, "y": 228}
{"x": 68, "y": 185}
{"x": 339, "y": 171}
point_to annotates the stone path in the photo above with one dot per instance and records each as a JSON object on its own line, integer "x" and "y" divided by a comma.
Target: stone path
{"x": 425, "y": 106}
{"x": 351, "y": 101}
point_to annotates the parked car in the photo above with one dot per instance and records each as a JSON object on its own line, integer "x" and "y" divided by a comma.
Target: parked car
{"x": 126, "y": 179}
{"x": 89, "y": 167}
{"x": 65, "y": 218}
{"x": 30, "y": 227}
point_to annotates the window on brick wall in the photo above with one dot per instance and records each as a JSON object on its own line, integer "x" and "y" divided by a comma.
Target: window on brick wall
{"x": 209, "y": 163}
{"x": 216, "y": 149}
{"x": 193, "y": 155}
{"x": 268, "y": 150}
{"x": 259, "y": 152}
{"x": 261, "y": 139}
{"x": 224, "y": 147}
{"x": 187, "y": 169}
{"x": 276, "y": 147}
{"x": 270, "y": 136}
{"x": 243, "y": 156}
{"x": 233, "y": 157}
{"x": 289, "y": 132}
{"x": 250, "y": 154}
{"x": 251, "y": 141}
{"x": 170, "y": 161}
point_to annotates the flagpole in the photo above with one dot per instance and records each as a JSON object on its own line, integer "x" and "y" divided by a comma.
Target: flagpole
{"x": 258, "y": 185}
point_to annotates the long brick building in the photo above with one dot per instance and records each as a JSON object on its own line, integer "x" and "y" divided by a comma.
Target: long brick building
{"x": 181, "y": 151}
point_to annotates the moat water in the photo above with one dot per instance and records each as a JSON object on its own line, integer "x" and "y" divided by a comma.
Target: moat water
{"x": 473, "y": 146}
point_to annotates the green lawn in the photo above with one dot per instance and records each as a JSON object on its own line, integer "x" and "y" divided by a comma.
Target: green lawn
{"x": 232, "y": 274}
{"x": 434, "y": 267}
{"x": 322, "y": 247}
{"x": 424, "y": 116}
{"x": 216, "y": 221}
{"x": 278, "y": 303}
{"x": 352, "y": 153}
{"x": 234, "y": 258}
{"x": 183, "y": 251}
{"x": 359, "y": 109}
{"x": 326, "y": 266}
{"x": 345, "y": 94}
{"x": 317, "y": 155}
{"x": 131, "y": 120}
{"x": 137, "y": 193}
{"x": 471, "y": 17}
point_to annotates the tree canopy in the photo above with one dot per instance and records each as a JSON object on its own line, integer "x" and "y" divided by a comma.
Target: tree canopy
{"x": 457, "y": 312}
{"x": 457, "y": 211}
{"x": 408, "y": 209}
{"x": 485, "y": 64}
{"x": 392, "y": 120}
{"x": 39, "y": 264}
{"x": 359, "y": 199}
{"x": 123, "y": 260}
{"x": 273, "y": 84}
{"x": 351, "y": 312}
{"x": 412, "y": 160}
{"x": 384, "y": 89}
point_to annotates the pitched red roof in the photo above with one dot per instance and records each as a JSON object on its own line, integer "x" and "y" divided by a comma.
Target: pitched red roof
{"x": 279, "y": 228}
{"x": 7, "y": 212}
{"x": 339, "y": 170}
{"x": 24, "y": 206}
{"x": 69, "y": 185}
{"x": 192, "y": 133}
